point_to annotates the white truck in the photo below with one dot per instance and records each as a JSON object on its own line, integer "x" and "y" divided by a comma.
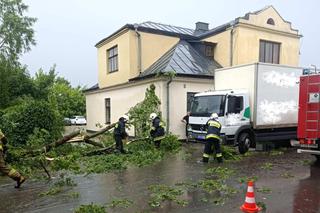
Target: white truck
{"x": 255, "y": 102}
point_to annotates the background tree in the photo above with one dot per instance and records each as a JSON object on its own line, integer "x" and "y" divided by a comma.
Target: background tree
{"x": 16, "y": 29}
{"x": 20, "y": 121}
{"x": 16, "y": 37}
{"x": 70, "y": 101}
{"x": 43, "y": 82}
{"x": 30, "y": 105}
{"x": 15, "y": 83}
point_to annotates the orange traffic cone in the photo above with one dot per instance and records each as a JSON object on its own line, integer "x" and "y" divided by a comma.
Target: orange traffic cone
{"x": 250, "y": 205}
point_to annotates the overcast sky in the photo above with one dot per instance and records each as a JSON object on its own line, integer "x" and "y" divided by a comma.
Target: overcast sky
{"x": 67, "y": 30}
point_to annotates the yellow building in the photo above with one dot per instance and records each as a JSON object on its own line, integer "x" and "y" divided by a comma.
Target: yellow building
{"x": 132, "y": 58}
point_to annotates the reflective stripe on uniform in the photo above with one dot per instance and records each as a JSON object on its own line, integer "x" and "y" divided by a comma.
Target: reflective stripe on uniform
{"x": 212, "y": 136}
{"x": 1, "y": 148}
{"x": 206, "y": 155}
{"x": 12, "y": 172}
{"x": 219, "y": 155}
{"x": 214, "y": 123}
{"x": 159, "y": 138}
{"x": 1, "y": 135}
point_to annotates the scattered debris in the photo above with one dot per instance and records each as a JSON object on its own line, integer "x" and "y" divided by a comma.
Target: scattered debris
{"x": 120, "y": 203}
{"x": 276, "y": 152}
{"x": 264, "y": 190}
{"x": 59, "y": 186}
{"x": 262, "y": 205}
{"x": 161, "y": 193}
{"x": 287, "y": 175}
{"x": 246, "y": 179}
{"x": 267, "y": 166}
{"x": 91, "y": 208}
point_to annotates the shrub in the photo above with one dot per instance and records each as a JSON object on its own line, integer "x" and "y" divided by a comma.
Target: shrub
{"x": 139, "y": 114}
{"x": 21, "y": 121}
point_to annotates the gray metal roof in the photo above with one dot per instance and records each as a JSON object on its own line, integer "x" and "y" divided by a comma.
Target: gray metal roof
{"x": 94, "y": 87}
{"x": 167, "y": 28}
{"x": 182, "y": 59}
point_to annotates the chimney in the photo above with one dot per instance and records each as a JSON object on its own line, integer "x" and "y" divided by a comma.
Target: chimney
{"x": 201, "y": 27}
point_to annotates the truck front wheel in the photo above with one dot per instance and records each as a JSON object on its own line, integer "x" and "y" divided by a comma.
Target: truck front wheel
{"x": 244, "y": 142}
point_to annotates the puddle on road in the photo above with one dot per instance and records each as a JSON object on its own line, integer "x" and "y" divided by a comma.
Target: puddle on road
{"x": 307, "y": 195}
{"x": 133, "y": 184}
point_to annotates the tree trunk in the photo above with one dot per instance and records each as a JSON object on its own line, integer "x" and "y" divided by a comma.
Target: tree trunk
{"x": 66, "y": 138}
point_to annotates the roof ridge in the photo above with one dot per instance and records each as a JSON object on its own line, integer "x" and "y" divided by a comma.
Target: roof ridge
{"x": 169, "y": 25}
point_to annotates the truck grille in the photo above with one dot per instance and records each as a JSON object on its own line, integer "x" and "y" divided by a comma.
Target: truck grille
{"x": 197, "y": 127}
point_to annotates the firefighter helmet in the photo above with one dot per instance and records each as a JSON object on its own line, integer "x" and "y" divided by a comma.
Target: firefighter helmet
{"x": 153, "y": 116}
{"x": 125, "y": 118}
{"x": 214, "y": 116}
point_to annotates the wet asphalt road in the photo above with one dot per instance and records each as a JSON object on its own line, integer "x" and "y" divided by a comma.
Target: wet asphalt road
{"x": 294, "y": 181}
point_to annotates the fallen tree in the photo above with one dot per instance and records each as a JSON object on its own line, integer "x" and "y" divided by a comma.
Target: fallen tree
{"x": 67, "y": 139}
{"x": 99, "y": 157}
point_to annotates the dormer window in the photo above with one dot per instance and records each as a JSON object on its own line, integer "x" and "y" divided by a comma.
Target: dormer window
{"x": 209, "y": 51}
{"x": 112, "y": 59}
{"x": 270, "y": 21}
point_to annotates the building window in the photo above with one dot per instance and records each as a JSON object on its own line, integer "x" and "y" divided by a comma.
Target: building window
{"x": 208, "y": 51}
{"x": 190, "y": 96}
{"x": 108, "y": 110}
{"x": 269, "y": 52}
{"x": 270, "y": 21}
{"x": 112, "y": 54}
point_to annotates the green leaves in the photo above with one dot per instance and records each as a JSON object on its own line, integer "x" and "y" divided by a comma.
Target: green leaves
{"x": 31, "y": 114}
{"x": 161, "y": 193}
{"x": 139, "y": 114}
{"x": 16, "y": 30}
{"x": 70, "y": 101}
{"x": 91, "y": 208}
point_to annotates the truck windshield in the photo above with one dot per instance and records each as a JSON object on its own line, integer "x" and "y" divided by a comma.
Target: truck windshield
{"x": 205, "y": 105}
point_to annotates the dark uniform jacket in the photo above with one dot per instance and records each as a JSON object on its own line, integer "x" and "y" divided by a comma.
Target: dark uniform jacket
{"x": 213, "y": 129}
{"x": 120, "y": 129}
{"x": 157, "y": 128}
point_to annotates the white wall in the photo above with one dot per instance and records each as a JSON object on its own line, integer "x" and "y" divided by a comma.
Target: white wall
{"x": 178, "y": 100}
{"x": 125, "y": 97}
{"x": 121, "y": 99}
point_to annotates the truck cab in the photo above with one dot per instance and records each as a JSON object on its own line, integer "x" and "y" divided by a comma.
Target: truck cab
{"x": 233, "y": 109}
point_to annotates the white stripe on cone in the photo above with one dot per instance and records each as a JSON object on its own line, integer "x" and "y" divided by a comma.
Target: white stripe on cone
{"x": 250, "y": 200}
{"x": 250, "y": 189}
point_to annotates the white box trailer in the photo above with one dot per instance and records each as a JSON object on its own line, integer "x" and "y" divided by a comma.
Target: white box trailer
{"x": 273, "y": 92}
{"x": 257, "y": 102}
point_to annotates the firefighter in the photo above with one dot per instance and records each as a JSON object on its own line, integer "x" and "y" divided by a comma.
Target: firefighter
{"x": 213, "y": 128}
{"x": 157, "y": 130}
{"x": 12, "y": 173}
{"x": 185, "y": 120}
{"x": 120, "y": 133}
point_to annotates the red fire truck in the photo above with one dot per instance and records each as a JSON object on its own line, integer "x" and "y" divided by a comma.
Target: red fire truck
{"x": 309, "y": 115}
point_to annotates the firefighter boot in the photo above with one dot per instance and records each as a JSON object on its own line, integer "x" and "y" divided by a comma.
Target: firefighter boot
{"x": 20, "y": 181}
{"x": 157, "y": 144}
{"x": 205, "y": 160}
{"x": 220, "y": 160}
